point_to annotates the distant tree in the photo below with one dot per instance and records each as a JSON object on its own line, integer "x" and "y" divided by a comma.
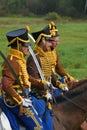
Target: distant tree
{"x": 2, "y": 7}
{"x": 41, "y": 7}
{"x": 73, "y": 8}
{"x": 79, "y": 5}
{"x": 85, "y": 7}
{"x": 63, "y": 7}
{"x": 16, "y": 7}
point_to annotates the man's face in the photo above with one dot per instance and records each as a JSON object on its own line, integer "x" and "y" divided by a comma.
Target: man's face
{"x": 48, "y": 45}
{"x": 55, "y": 42}
{"x": 25, "y": 50}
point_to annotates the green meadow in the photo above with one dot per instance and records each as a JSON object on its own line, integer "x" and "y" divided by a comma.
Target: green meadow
{"x": 72, "y": 46}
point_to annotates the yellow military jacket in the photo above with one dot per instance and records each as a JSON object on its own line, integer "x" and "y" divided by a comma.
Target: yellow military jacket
{"x": 55, "y": 62}
{"x": 9, "y": 83}
{"x": 46, "y": 70}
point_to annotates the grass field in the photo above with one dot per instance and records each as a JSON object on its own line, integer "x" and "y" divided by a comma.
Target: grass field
{"x": 72, "y": 47}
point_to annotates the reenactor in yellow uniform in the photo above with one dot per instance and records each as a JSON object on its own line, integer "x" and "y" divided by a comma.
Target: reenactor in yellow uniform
{"x": 54, "y": 59}
{"x": 43, "y": 44}
{"x": 17, "y": 99}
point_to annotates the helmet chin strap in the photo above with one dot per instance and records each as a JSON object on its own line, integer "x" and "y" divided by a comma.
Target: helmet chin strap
{"x": 44, "y": 44}
{"x": 19, "y": 46}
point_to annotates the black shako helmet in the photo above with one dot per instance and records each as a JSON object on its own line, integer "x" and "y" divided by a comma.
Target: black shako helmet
{"x": 18, "y": 36}
{"x": 42, "y": 33}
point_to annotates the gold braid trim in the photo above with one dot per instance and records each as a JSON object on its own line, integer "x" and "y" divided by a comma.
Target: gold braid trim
{"x": 45, "y": 64}
{"x": 40, "y": 51}
{"x": 16, "y": 53}
{"x": 29, "y": 113}
{"x": 52, "y": 28}
{"x": 49, "y": 105}
{"x": 17, "y": 38}
{"x": 52, "y": 57}
{"x": 46, "y": 68}
{"x": 21, "y": 61}
{"x": 53, "y": 32}
{"x": 39, "y": 37}
{"x": 24, "y": 73}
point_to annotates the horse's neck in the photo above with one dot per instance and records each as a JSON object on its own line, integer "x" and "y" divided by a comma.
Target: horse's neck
{"x": 70, "y": 115}
{"x": 78, "y": 89}
{"x": 79, "y": 84}
{"x": 77, "y": 95}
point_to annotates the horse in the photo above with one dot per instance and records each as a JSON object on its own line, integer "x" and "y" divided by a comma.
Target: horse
{"x": 70, "y": 109}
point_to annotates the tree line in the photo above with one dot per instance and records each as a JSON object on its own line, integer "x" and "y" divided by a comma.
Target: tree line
{"x": 72, "y": 8}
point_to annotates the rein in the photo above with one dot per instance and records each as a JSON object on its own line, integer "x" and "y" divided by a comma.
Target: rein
{"x": 71, "y": 93}
{"x": 74, "y": 103}
{"x": 76, "y": 92}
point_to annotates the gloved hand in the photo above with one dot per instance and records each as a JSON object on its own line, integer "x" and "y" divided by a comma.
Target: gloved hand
{"x": 27, "y": 102}
{"x": 63, "y": 87}
{"x": 47, "y": 85}
{"x": 70, "y": 78}
{"x": 48, "y": 96}
{"x": 27, "y": 91}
